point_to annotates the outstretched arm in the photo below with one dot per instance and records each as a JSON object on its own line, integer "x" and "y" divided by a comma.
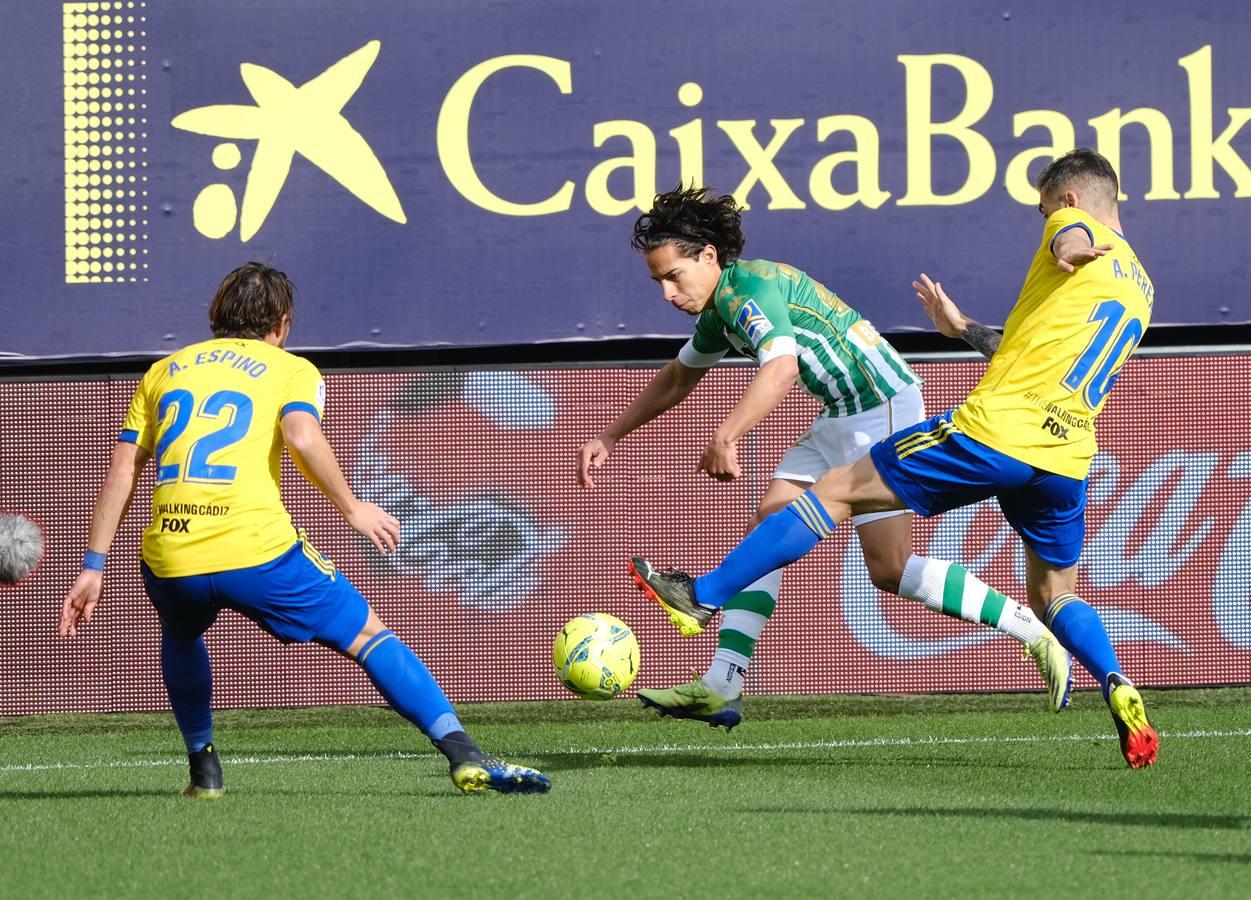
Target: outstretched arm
{"x": 111, "y": 505}
{"x": 315, "y": 459}
{"x": 950, "y": 321}
{"x": 669, "y": 387}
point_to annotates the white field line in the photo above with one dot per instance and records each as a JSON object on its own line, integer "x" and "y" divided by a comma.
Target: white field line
{"x": 284, "y": 759}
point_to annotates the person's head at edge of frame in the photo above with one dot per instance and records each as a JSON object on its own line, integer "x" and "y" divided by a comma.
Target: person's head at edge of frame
{"x": 687, "y": 238}
{"x": 1081, "y": 179}
{"x": 254, "y": 302}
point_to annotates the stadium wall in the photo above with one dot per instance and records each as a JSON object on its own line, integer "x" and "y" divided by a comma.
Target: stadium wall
{"x": 499, "y": 547}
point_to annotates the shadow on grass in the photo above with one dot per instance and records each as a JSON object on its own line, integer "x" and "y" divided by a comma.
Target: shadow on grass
{"x": 398, "y": 795}
{"x": 893, "y": 757}
{"x": 1029, "y": 814}
{"x": 571, "y": 762}
{"x": 577, "y": 760}
{"x": 1191, "y": 856}
{"x": 562, "y": 761}
{"x": 899, "y": 758}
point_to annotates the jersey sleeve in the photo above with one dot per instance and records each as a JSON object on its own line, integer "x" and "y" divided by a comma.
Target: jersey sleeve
{"x": 756, "y": 310}
{"x": 1063, "y": 220}
{"x": 707, "y": 345}
{"x": 305, "y": 392}
{"x": 140, "y": 424}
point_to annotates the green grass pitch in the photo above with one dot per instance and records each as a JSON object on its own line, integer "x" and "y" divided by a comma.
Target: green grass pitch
{"x": 949, "y": 796}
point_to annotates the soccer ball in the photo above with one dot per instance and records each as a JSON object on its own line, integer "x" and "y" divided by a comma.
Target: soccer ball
{"x": 596, "y": 656}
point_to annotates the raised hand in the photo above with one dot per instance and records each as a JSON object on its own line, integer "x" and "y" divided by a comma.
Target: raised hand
{"x": 945, "y": 315}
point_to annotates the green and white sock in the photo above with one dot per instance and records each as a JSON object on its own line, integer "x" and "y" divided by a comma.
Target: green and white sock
{"x": 742, "y": 619}
{"x": 951, "y": 589}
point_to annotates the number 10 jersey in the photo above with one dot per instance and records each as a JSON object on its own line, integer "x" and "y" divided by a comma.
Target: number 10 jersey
{"x": 1063, "y": 345}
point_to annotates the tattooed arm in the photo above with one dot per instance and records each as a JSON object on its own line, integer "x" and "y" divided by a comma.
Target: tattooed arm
{"x": 982, "y": 339}
{"x": 950, "y": 321}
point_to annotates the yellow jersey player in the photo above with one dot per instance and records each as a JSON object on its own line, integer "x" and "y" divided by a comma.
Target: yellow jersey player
{"x": 1025, "y": 435}
{"x": 215, "y": 417}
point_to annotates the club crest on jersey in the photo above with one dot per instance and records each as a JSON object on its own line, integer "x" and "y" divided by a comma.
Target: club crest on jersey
{"x": 752, "y": 322}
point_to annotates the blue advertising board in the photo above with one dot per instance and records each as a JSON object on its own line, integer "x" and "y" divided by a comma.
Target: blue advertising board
{"x": 467, "y": 173}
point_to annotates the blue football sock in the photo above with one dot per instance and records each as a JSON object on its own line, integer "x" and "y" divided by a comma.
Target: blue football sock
{"x": 189, "y": 683}
{"x": 1079, "y": 630}
{"x": 779, "y": 540}
{"x": 407, "y": 685}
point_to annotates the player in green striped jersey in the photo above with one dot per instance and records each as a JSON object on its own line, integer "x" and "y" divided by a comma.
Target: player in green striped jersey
{"x": 769, "y": 310}
{"x": 796, "y": 330}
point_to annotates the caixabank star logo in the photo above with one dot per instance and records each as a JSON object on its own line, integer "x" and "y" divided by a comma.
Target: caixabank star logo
{"x": 106, "y": 142}
{"x": 286, "y": 120}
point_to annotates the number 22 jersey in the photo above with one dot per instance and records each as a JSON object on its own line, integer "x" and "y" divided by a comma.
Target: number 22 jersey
{"x": 210, "y": 415}
{"x": 1063, "y": 346}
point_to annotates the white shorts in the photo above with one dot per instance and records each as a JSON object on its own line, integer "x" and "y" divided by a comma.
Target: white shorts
{"x": 836, "y": 441}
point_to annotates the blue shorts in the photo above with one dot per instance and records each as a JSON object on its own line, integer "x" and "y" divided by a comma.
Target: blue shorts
{"x": 297, "y": 597}
{"x": 934, "y": 467}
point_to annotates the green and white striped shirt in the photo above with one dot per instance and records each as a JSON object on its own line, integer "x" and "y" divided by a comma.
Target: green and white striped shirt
{"x": 765, "y": 309}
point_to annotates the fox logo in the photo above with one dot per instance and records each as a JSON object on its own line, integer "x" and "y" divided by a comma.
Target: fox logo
{"x": 1055, "y": 428}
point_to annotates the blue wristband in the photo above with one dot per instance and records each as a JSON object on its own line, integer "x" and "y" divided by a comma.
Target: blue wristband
{"x": 94, "y": 561}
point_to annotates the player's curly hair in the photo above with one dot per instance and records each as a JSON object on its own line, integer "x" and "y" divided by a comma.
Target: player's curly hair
{"x": 251, "y": 301}
{"x": 690, "y": 219}
{"x": 1086, "y": 166}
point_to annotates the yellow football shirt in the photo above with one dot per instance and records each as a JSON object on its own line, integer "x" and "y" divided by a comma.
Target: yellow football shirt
{"x": 1063, "y": 344}
{"x": 210, "y": 415}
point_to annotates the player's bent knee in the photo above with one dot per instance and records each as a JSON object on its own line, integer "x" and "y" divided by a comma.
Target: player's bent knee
{"x": 373, "y": 627}
{"x": 351, "y": 626}
{"x": 885, "y": 563}
{"x": 781, "y": 494}
{"x": 884, "y": 575}
{"x": 885, "y": 582}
